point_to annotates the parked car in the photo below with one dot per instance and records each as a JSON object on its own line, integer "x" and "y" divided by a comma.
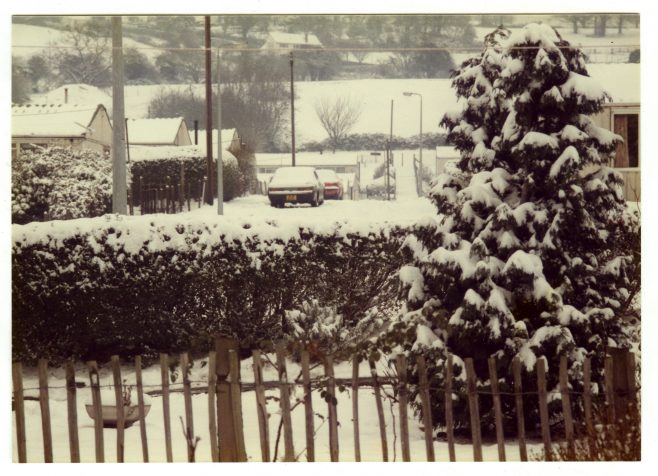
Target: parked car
{"x": 333, "y": 185}
{"x": 295, "y": 185}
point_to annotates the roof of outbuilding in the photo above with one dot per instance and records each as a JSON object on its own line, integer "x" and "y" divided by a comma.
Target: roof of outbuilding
{"x": 154, "y": 130}
{"x": 52, "y": 120}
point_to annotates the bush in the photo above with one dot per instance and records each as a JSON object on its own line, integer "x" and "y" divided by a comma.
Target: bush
{"x": 634, "y": 57}
{"x": 376, "y": 141}
{"x": 149, "y": 284}
{"x": 61, "y": 183}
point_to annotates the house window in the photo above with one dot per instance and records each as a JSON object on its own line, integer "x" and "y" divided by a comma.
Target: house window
{"x": 628, "y": 152}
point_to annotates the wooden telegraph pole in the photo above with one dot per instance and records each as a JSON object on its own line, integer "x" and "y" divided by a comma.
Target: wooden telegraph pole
{"x": 208, "y": 198}
{"x": 292, "y": 107}
{"x": 119, "y": 187}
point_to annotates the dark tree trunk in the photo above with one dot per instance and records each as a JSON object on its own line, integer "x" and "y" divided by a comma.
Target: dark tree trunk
{"x": 600, "y": 25}
{"x": 574, "y": 22}
{"x": 621, "y": 23}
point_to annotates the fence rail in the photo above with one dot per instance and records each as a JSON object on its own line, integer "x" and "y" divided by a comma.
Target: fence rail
{"x": 224, "y": 387}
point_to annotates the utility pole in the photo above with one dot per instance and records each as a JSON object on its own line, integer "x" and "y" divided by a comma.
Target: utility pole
{"x": 119, "y": 188}
{"x": 220, "y": 148}
{"x": 292, "y": 107}
{"x": 208, "y": 198}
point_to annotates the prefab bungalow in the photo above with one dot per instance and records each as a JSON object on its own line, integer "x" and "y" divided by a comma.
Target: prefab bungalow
{"x": 158, "y": 131}
{"x": 66, "y": 125}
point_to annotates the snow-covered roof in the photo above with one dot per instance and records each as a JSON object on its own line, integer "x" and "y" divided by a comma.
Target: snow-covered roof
{"x": 227, "y": 137}
{"x": 77, "y": 94}
{"x": 52, "y": 120}
{"x": 295, "y": 38}
{"x": 154, "y": 130}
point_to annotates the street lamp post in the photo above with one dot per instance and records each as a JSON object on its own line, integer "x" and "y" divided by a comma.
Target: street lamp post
{"x": 409, "y": 93}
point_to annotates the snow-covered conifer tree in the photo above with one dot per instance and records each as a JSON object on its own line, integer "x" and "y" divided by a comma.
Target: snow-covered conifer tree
{"x": 524, "y": 256}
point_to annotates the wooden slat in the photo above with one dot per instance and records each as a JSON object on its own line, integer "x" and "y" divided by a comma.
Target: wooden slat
{"x": 609, "y": 389}
{"x": 333, "y": 416}
{"x": 474, "y": 410}
{"x": 450, "y": 422}
{"x": 45, "y": 411}
{"x": 543, "y": 407}
{"x": 118, "y": 397}
{"x": 587, "y": 395}
{"x": 228, "y": 451}
{"x": 261, "y": 407}
{"x": 164, "y": 375}
{"x": 355, "y": 408}
{"x": 72, "y": 412}
{"x": 308, "y": 407}
{"x": 140, "y": 408}
{"x": 632, "y": 383}
{"x": 498, "y": 412}
{"x": 566, "y": 406}
{"x": 236, "y": 401}
{"x": 187, "y": 401}
{"x": 212, "y": 415}
{"x": 520, "y": 416}
{"x": 380, "y": 410}
{"x": 284, "y": 389}
{"x": 94, "y": 381}
{"x": 19, "y": 410}
{"x": 401, "y": 366}
{"x": 426, "y": 407}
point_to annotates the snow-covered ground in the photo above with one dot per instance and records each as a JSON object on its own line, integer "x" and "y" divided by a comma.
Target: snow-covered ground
{"x": 257, "y": 207}
{"x": 369, "y": 426}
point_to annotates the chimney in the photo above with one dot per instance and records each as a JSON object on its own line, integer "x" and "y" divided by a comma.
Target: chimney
{"x": 66, "y": 95}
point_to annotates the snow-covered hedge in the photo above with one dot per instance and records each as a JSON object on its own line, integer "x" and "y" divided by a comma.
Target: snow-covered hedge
{"x": 60, "y": 183}
{"x": 157, "y": 165}
{"x": 132, "y": 285}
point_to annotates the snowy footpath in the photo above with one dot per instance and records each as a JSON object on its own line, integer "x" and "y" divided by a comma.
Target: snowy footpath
{"x": 368, "y": 422}
{"x": 405, "y": 179}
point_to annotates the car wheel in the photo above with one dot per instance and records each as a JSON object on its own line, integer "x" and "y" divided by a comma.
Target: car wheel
{"x": 314, "y": 201}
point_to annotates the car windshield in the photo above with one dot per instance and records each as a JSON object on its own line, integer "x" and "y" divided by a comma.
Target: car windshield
{"x": 327, "y": 175}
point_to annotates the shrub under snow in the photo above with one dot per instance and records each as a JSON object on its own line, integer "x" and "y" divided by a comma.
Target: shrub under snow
{"x": 60, "y": 183}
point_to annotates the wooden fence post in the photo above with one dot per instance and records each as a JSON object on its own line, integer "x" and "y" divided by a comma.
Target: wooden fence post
{"x": 474, "y": 409}
{"x": 498, "y": 412}
{"x": 587, "y": 395}
{"x": 308, "y": 407}
{"x": 72, "y": 411}
{"x": 261, "y": 405}
{"x": 518, "y": 399}
{"x": 566, "y": 406}
{"x": 401, "y": 367}
{"x": 450, "y": 422}
{"x": 236, "y": 400}
{"x": 164, "y": 375}
{"x": 284, "y": 389}
{"x": 355, "y": 407}
{"x": 45, "y": 411}
{"x": 426, "y": 406}
{"x": 609, "y": 389}
{"x": 226, "y": 433}
{"x": 19, "y": 409}
{"x": 333, "y": 416}
{"x": 140, "y": 404}
{"x": 212, "y": 400}
{"x": 98, "y": 411}
{"x": 380, "y": 409}
{"x": 623, "y": 380}
{"x": 181, "y": 200}
{"x": 543, "y": 407}
{"x": 187, "y": 400}
{"x": 141, "y": 195}
{"x": 118, "y": 396}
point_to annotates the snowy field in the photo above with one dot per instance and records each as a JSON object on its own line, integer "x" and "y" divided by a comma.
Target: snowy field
{"x": 369, "y": 426}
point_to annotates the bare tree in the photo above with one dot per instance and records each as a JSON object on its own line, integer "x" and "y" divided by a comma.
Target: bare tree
{"x": 337, "y": 116}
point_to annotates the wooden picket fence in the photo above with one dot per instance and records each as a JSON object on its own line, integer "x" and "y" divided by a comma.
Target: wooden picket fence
{"x": 224, "y": 387}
